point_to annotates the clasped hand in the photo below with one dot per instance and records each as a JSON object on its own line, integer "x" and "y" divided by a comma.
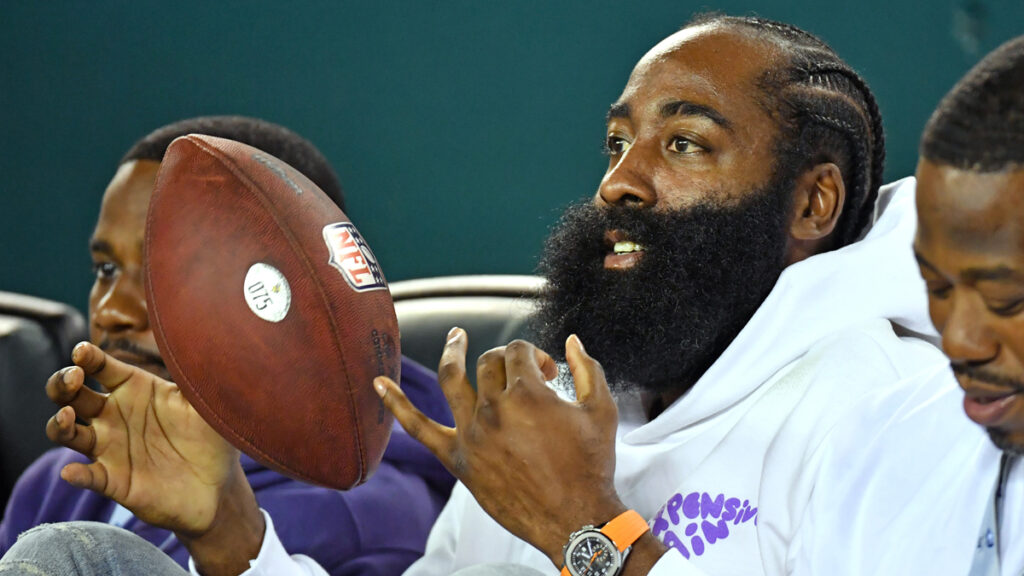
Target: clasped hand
{"x": 542, "y": 467}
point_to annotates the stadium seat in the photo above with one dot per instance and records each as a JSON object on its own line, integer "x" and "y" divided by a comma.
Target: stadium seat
{"x": 36, "y": 338}
{"x": 493, "y": 309}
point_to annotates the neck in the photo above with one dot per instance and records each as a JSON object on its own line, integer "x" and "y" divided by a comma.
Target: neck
{"x": 654, "y": 403}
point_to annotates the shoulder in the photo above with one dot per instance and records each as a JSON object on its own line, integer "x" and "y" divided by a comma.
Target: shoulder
{"x": 904, "y": 465}
{"x": 870, "y": 355}
{"x": 832, "y": 381}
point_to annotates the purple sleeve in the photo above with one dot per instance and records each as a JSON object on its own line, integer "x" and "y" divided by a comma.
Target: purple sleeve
{"x": 380, "y": 527}
{"x": 41, "y": 496}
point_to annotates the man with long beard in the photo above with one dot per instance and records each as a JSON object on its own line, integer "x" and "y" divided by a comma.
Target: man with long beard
{"x": 719, "y": 279}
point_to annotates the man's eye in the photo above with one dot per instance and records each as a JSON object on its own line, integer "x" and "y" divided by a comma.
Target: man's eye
{"x": 940, "y": 292}
{"x": 1008, "y": 309}
{"x": 682, "y": 145}
{"x": 615, "y": 145}
{"x": 104, "y": 270}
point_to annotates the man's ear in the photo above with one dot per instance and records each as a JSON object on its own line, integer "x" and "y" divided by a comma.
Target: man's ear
{"x": 817, "y": 202}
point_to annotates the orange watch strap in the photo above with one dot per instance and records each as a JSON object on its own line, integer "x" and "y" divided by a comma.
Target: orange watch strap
{"x": 625, "y": 529}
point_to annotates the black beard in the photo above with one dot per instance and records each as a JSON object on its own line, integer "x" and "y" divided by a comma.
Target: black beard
{"x": 660, "y": 325}
{"x": 1001, "y": 439}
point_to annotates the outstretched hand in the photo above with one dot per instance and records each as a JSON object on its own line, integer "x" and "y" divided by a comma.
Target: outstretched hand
{"x": 542, "y": 467}
{"x": 152, "y": 453}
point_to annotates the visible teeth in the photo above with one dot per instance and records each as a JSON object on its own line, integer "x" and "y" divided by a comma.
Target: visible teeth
{"x": 627, "y": 247}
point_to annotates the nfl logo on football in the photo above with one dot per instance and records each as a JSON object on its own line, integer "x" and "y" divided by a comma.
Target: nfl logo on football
{"x": 353, "y": 258}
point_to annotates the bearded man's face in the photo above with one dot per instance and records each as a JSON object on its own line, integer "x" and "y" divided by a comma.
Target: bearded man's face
{"x": 659, "y": 324}
{"x": 688, "y": 232}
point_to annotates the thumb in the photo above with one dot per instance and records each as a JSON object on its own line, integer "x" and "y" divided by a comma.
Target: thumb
{"x": 591, "y": 386}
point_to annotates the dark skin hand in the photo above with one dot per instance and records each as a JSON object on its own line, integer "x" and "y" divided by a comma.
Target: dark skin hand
{"x": 542, "y": 467}
{"x": 156, "y": 456}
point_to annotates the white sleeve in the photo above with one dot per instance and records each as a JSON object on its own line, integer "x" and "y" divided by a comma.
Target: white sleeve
{"x": 672, "y": 563}
{"x": 439, "y": 557}
{"x": 273, "y": 559}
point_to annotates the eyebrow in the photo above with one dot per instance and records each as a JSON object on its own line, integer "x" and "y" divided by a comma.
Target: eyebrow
{"x": 975, "y": 274}
{"x": 687, "y": 108}
{"x": 675, "y": 108}
{"x": 997, "y": 273}
{"x": 103, "y": 246}
{"x": 617, "y": 110}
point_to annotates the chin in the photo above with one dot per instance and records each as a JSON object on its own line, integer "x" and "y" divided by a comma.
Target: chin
{"x": 1010, "y": 442}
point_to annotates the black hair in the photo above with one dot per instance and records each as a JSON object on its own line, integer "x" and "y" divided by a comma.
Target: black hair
{"x": 826, "y": 113}
{"x": 271, "y": 138}
{"x": 979, "y": 125}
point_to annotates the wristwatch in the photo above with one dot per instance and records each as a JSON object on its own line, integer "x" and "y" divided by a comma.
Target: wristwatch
{"x": 601, "y": 551}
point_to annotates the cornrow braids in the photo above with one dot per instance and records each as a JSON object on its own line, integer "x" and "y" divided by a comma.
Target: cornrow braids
{"x": 979, "y": 125}
{"x": 826, "y": 113}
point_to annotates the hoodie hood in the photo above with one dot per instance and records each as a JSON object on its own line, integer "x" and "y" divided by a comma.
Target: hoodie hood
{"x": 872, "y": 278}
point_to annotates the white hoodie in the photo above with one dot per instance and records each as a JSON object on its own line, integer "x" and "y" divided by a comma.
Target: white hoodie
{"x": 725, "y": 474}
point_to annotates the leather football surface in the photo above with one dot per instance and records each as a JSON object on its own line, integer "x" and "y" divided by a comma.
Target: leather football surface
{"x": 270, "y": 311}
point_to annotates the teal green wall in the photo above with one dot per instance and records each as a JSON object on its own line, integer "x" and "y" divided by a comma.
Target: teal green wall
{"x": 460, "y": 129}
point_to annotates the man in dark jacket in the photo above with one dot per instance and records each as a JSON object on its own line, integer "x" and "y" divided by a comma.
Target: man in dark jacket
{"x": 377, "y": 528}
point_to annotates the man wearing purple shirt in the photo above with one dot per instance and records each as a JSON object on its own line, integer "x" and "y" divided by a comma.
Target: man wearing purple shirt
{"x": 377, "y": 528}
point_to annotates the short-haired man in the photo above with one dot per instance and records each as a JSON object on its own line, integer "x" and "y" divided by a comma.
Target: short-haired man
{"x": 953, "y": 512}
{"x": 720, "y": 279}
{"x": 387, "y": 520}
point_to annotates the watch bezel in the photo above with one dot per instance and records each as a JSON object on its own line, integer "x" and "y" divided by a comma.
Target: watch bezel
{"x": 591, "y": 532}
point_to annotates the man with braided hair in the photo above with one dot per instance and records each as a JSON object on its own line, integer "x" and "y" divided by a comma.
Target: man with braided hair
{"x": 740, "y": 297}
{"x": 731, "y": 280}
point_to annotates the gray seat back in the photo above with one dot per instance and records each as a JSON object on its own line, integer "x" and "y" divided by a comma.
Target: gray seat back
{"x": 493, "y": 309}
{"x": 36, "y": 338}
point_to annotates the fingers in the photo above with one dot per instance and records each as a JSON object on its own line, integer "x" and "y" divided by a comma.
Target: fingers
{"x": 437, "y": 438}
{"x": 525, "y": 363}
{"x": 67, "y": 388}
{"x": 490, "y": 376}
{"x": 548, "y": 366}
{"x": 62, "y": 429}
{"x": 591, "y": 386}
{"x": 105, "y": 369}
{"x": 451, "y": 375}
{"x": 88, "y": 476}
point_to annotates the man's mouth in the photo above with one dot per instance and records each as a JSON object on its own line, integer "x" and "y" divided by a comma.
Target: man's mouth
{"x": 986, "y": 406}
{"x": 136, "y": 355}
{"x": 627, "y": 247}
{"x": 624, "y": 253}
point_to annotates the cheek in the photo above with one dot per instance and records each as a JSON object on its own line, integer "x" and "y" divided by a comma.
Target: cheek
{"x": 96, "y": 296}
{"x": 678, "y": 192}
{"x": 1010, "y": 333}
{"x": 938, "y": 310}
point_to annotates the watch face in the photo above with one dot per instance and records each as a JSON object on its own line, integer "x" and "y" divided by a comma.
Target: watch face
{"x": 593, "y": 554}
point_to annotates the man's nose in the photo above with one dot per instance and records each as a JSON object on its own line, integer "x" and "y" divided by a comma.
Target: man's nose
{"x": 123, "y": 306}
{"x": 629, "y": 181}
{"x": 966, "y": 336}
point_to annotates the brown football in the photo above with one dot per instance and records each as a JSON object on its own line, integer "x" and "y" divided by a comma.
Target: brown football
{"x": 270, "y": 310}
